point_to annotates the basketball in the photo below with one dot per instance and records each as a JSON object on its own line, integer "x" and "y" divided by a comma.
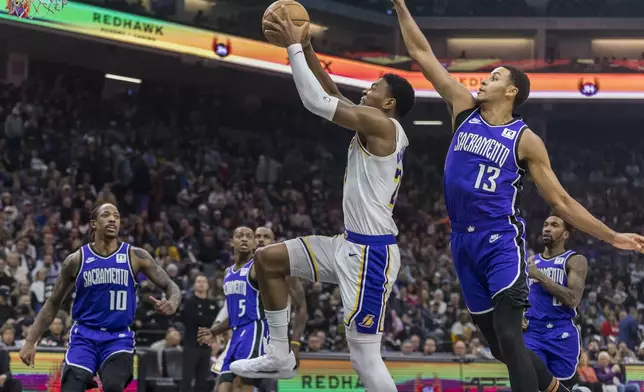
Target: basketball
{"x": 298, "y": 14}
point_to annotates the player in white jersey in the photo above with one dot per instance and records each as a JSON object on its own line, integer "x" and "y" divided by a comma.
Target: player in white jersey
{"x": 364, "y": 261}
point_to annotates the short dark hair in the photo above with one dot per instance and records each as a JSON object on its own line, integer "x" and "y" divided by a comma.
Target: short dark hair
{"x": 402, "y": 91}
{"x": 522, "y": 82}
{"x": 567, "y": 226}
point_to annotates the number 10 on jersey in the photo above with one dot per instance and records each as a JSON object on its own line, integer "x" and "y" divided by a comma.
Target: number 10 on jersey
{"x": 488, "y": 183}
{"x": 118, "y": 300}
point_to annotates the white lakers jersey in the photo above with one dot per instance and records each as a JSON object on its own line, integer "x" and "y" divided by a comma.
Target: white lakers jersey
{"x": 371, "y": 185}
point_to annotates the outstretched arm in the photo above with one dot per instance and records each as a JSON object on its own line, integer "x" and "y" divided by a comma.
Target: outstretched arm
{"x": 570, "y": 295}
{"x": 321, "y": 75}
{"x": 454, "y": 93}
{"x": 533, "y": 152}
{"x": 366, "y": 120}
{"x": 46, "y": 316}
{"x": 146, "y": 264}
{"x": 63, "y": 286}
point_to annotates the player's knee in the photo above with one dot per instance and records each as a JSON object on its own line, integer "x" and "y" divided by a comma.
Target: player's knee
{"x": 362, "y": 363}
{"x": 272, "y": 260}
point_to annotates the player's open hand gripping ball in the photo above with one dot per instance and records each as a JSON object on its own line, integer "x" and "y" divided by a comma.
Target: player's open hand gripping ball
{"x": 291, "y": 33}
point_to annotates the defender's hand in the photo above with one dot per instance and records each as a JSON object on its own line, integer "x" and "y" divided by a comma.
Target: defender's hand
{"x": 629, "y": 241}
{"x": 204, "y": 336}
{"x": 28, "y": 354}
{"x": 163, "y": 306}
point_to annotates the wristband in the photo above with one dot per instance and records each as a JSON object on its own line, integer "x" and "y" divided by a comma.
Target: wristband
{"x": 295, "y": 342}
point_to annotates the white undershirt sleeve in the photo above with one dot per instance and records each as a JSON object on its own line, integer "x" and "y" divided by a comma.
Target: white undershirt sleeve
{"x": 313, "y": 96}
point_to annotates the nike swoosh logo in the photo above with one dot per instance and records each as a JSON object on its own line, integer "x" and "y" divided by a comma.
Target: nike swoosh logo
{"x": 352, "y": 254}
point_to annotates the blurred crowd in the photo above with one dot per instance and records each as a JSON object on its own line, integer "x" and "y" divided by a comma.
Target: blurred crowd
{"x": 186, "y": 167}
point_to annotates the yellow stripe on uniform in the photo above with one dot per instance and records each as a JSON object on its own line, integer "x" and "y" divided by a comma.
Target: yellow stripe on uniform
{"x": 362, "y": 148}
{"x": 314, "y": 263}
{"x": 386, "y": 292}
{"x": 361, "y": 283}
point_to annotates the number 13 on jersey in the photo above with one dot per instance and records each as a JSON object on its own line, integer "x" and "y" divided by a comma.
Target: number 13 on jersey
{"x": 488, "y": 183}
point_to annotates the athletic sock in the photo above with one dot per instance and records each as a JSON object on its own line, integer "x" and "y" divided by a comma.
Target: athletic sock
{"x": 278, "y": 327}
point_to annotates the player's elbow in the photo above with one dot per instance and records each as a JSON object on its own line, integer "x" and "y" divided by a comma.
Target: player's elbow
{"x": 573, "y": 301}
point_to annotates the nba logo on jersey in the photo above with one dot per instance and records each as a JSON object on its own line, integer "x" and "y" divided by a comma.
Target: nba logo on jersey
{"x": 560, "y": 260}
{"x": 121, "y": 258}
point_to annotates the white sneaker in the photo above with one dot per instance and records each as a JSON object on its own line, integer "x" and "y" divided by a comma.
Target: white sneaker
{"x": 266, "y": 366}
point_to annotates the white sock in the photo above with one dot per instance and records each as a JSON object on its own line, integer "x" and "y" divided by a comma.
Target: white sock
{"x": 278, "y": 328}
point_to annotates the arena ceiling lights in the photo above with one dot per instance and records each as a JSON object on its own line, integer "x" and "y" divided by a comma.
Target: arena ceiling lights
{"x": 94, "y": 22}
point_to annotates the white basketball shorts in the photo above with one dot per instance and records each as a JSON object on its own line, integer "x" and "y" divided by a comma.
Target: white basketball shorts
{"x": 365, "y": 267}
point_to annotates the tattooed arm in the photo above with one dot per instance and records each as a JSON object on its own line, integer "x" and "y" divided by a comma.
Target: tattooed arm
{"x": 143, "y": 262}
{"x": 45, "y": 317}
{"x": 570, "y": 295}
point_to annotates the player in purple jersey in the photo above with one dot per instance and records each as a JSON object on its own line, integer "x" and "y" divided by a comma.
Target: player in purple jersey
{"x": 101, "y": 345}
{"x": 245, "y": 311}
{"x": 490, "y": 153}
{"x": 557, "y": 279}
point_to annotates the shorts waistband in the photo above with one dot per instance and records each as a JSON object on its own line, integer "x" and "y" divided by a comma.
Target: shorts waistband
{"x": 124, "y": 329}
{"x": 370, "y": 240}
{"x": 258, "y": 321}
{"x": 497, "y": 224}
{"x": 550, "y": 324}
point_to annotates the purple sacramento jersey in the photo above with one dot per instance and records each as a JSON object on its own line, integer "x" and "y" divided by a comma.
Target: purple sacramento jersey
{"x": 103, "y": 309}
{"x": 105, "y": 290}
{"x": 245, "y": 317}
{"x": 482, "y": 182}
{"x": 551, "y": 331}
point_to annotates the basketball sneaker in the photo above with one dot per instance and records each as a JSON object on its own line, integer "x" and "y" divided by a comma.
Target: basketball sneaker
{"x": 267, "y": 365}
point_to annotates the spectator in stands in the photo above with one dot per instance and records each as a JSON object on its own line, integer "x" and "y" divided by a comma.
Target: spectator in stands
{"x": 197, "y": 311}
{"x": 610, "y": 327}
{"x": 463, "y": 328}
{"x": 6, "y": 310}
{"x": 173, "y": 338}
{"x": 593, "y": 349}
{"x": 8, "y": 337}
{"x": 460, "y": 349}
{"x": 7, "y": 382}
{"x": 627, "y": 355}
{"x": 429, "y": 348}
{"x": 23, "y": 326}
{"x": 587, "y": 376}
{"x": 407, "y": 348}
{"x": 611, "y": 374}
{"x": 55, "y": 335}
{"x": 628, "y": 330}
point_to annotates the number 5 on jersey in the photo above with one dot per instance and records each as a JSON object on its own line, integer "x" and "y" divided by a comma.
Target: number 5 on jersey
{"x": 490, "y": 173}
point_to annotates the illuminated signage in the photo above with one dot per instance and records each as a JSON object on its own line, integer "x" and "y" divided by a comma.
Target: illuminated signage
{"x": 132, "y": 29}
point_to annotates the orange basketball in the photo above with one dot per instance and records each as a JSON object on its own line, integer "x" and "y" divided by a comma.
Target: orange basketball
{"x": 298, "y": 15}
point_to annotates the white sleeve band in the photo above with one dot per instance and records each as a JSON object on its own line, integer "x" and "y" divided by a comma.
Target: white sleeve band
{"x": 313, "y": 96}
{"x": 223, "y": 314}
